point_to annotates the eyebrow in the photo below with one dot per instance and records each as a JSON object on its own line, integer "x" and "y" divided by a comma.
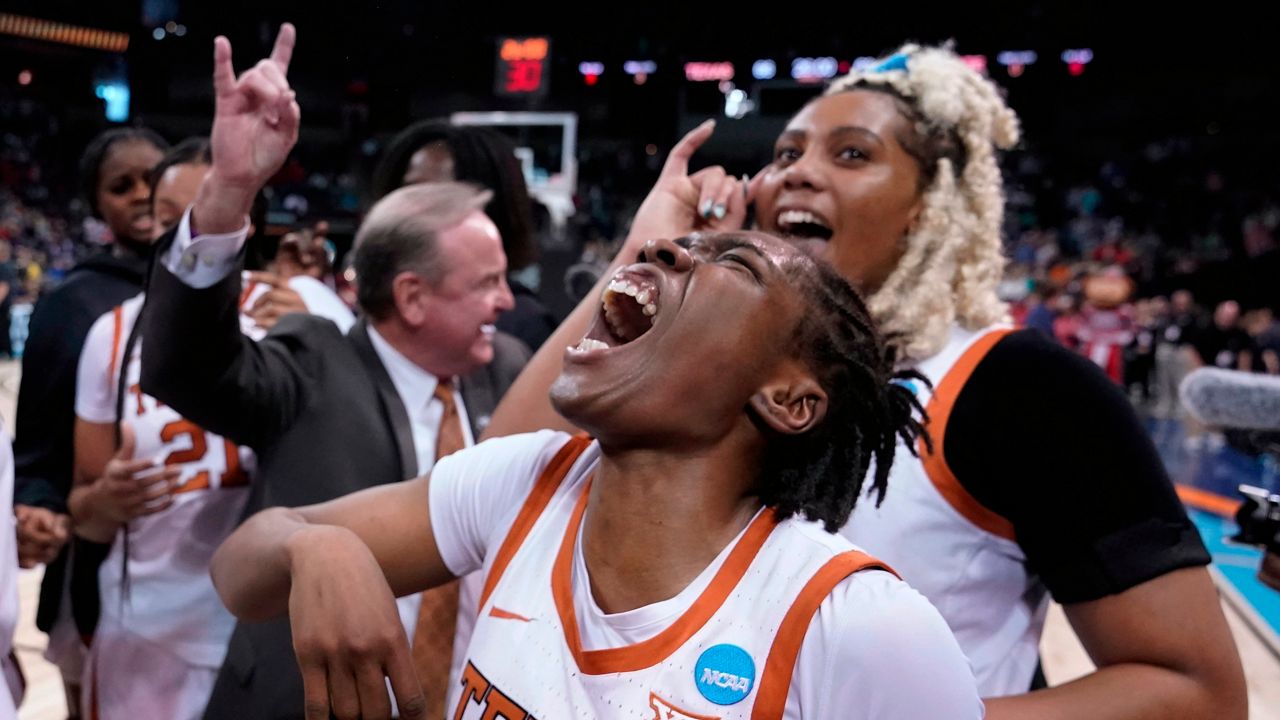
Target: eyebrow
{"x": 842, "y": 130}
{"x": 858, "y": 130}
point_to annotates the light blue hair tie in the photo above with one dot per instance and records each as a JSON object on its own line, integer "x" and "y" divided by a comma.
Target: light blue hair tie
{"x": 911, "y": 387}
{"x": 893, "y": 62}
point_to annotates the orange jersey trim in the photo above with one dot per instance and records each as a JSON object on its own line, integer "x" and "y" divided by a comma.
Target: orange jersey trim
{"x": 534, "y": 505}
{"x": 935, "y": 463}
{"x": 659, "y": 647}
{"x": 117, "y": 313}
{"x": 244, "y": 295}
{"x": 775, "y": 683}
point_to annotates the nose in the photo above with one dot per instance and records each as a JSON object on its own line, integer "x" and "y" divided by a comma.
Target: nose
{"x": 802, "y": 174}
{"x": 505, "y": 300}
{"x": 140, "y": 192}
{"x": 667, "y": 253}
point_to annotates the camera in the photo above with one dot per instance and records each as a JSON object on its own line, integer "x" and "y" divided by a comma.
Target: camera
{"x": 1259, "y": 521}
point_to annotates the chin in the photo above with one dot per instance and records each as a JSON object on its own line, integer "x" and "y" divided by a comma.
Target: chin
{"x": 564, "y": 394}
{"x": 482, "y": 353}
{"x": 572, "y": 402}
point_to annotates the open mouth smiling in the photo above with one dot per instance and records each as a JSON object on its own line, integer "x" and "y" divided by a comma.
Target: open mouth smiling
{"x": 797, "y": 224}
{"x": 628, "y": 309}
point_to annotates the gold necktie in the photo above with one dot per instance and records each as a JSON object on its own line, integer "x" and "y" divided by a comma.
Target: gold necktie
{"x": 438, "y": 614}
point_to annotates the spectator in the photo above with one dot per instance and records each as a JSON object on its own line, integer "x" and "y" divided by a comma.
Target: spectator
{"x": 1223, "y": 343}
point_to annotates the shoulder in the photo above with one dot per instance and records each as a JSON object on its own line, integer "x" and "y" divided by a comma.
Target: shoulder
{"x": 104, "y": 329}
{"x": 812, "y": 540}
{"x": 304, "y": 329}
{"x": 322, "y": 301}
{"x": 65, "y": 296}
{"x": 64, "y": 316}
{"x": 878, "y": 644}
{"x": 528, "y": 452}
{"x": 105, "y": 269}
{"x": 1028, "y": 371}
{"x": 1023, "y": 350}
{"x": 872, "y": 603}
{"x": 507, "y": 349}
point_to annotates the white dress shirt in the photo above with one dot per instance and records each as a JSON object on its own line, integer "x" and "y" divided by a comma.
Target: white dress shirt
{"x": 416, "y": 388}
{"x": 203, "y": 261}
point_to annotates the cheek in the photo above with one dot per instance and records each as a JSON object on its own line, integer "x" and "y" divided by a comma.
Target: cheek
{"x": 864, "y": 261}
{"x": 767, "y": 197}
{"x": 722, "y": 365}
{"x": 110, "y": 202}
{"x": 114, "y": 210}
{"x": 872, "y": 236}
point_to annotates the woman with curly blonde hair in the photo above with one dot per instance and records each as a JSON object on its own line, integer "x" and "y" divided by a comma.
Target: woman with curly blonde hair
{"x": 1038, "y": 480}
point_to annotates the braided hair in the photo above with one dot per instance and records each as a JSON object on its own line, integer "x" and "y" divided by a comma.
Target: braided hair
{"x": 820, "y": 474}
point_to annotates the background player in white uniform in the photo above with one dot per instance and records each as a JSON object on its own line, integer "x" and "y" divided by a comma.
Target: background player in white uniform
{"x": 164, "y": 500}
{"x": 682, "y": 566}
{"x": 10, "y": 685}
{"x": 178, "y": 489}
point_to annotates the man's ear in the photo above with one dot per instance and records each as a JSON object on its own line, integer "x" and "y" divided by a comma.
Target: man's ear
{"x": 411, "y": 295}
{"x": 793, "y": 404}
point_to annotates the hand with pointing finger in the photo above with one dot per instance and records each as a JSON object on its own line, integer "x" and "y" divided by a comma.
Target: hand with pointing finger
{"x": 680, "y": 203}
{"x": 255, "y": 125}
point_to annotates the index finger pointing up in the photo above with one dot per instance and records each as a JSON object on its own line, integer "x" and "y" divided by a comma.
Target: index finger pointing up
{"x": 282, "y": 53}
{"x": 678, "y": 160}
{"x": 224, "y": 75}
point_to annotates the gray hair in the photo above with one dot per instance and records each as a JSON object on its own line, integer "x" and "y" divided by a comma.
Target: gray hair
{"x": 400, "y": 235}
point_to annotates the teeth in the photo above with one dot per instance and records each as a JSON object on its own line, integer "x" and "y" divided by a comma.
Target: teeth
{"x": 615, "y": 314}
{"x": 794, "y": 217}
{"x": 589, "y": 344}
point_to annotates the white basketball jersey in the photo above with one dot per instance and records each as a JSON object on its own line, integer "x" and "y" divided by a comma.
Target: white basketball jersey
{"x": 10, "y": 692}
{"x": 731, "y": 654}
{"x": 319, "y": 299}
{"x": 962, "y": 556}
{"x": 169, "y": 598}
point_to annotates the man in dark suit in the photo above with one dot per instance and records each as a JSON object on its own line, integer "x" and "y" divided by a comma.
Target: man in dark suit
{"x": 327, "y": 414}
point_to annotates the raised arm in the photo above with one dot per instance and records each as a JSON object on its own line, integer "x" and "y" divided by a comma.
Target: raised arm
{"x": 195, "y": 358}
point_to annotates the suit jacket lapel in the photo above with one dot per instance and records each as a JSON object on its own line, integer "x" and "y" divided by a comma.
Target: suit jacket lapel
{"x": 392, "y": 406}
{"x": 479, "y": 397}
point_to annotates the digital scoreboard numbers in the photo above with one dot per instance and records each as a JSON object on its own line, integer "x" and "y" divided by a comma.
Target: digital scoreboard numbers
{"x": 522, "y": 67}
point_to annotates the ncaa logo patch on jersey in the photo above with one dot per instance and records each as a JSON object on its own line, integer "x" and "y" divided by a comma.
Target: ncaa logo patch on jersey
{"x": 725, "y": 674}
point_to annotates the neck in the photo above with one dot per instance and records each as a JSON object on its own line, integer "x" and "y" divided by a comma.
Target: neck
{"x": 658, "y": 518}
{"x": 128, "y": 248}
{"x": 402, "y": 338}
